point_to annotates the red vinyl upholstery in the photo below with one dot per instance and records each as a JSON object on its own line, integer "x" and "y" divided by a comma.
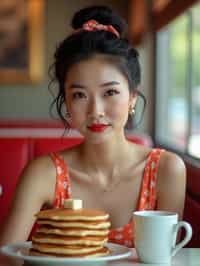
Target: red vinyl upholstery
{"x": 46, "y": 145}
{"x": 192, "y": 216}
{"x": 193, "y": 183}
{"x": 14, "y": 154}
{"x": 192, "y": 203}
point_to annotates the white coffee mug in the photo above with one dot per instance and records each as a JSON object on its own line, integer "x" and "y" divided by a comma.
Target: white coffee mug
{"x": 155, "y": 234}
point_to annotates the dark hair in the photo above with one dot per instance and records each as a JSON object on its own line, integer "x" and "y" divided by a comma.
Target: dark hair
{"x": 83, "y": 44}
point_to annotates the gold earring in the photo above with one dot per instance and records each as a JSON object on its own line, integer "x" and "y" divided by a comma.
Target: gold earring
{"x": 101, "y": 115}
{"x": 131, "y": 110}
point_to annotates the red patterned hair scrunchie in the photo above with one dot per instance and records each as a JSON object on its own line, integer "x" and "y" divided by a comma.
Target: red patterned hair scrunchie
{"x": 93, "y": 25}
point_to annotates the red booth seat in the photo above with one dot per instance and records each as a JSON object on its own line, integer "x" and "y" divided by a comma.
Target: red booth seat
{"x": 43, "y": 146}
{"x": 14, "y": 155}
{"x": 192, "y": 202}
{"x": 192, "y": 216}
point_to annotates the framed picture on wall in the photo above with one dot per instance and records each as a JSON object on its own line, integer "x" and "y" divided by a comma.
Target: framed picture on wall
{"x": 21, "y": 41}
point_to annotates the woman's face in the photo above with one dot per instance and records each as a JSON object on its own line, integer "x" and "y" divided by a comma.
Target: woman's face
{"x": 97, "y": 98}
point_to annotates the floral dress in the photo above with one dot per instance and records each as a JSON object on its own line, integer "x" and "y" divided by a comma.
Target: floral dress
{"x": 147, "y": 199}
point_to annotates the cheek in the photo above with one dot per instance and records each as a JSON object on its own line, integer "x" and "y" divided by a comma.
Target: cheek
{"x": 77, "y": 114}
{"x": 119, "y": 109}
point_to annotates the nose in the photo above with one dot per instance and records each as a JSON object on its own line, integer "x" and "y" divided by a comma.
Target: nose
{"x": 96, "y": 108}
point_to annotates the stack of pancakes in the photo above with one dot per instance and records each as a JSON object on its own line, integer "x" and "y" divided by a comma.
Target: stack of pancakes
{"x": 71, "y": 233}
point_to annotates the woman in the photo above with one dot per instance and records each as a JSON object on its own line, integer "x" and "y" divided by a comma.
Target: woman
{"x": 99, "y": 76}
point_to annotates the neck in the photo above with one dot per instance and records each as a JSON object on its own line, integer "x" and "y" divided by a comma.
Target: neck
{"x": 105, "y": 158}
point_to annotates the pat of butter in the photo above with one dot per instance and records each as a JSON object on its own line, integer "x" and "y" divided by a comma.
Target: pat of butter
{"x": 73, "y": 204}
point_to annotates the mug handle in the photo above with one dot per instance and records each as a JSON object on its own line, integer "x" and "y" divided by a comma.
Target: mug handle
{"x": 187, "y": 238}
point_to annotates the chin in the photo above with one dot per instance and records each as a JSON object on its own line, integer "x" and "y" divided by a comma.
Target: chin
{"x": 98, "y": 139}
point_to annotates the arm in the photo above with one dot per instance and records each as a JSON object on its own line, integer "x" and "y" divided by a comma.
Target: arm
{"x": 31, "y": 193}
{"x": 171, "y": 184}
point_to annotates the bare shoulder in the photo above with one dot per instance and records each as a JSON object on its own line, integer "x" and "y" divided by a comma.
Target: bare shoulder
{"x": 38, "y": 176}
{"x": 39, "y": 164}
{"x": 171, "y": 167}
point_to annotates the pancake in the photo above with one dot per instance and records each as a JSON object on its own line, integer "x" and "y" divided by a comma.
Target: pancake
{"x": 81, "y": 224}
{"x": 102, "y": 252}
{"x": 65, "y": 249}
{"x": 72, "y": 231}
{"x": 74, "y": 240}
{"x": 72, "y": 215}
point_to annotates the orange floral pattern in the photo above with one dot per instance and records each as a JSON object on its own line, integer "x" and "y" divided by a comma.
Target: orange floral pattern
{"x": 147, "y": 200}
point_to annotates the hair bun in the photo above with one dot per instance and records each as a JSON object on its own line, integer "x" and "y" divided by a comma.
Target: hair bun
{"x": 102, "y": 14}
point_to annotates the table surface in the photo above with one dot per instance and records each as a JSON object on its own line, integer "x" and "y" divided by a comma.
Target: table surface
{"x": 185, "y": 257}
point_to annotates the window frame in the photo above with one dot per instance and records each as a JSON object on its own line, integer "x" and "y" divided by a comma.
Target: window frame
{"x": 157, "y": 140}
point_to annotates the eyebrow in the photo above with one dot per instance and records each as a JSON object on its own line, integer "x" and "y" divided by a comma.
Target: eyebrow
{"x": 110, "y": 83}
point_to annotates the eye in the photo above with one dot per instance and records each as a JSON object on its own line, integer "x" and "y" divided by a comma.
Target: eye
{"x": 78, "y": 95}
{"x": 112, "y": 92}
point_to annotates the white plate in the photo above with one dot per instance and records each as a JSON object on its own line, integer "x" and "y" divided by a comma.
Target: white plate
{"x": 20, "y": 251}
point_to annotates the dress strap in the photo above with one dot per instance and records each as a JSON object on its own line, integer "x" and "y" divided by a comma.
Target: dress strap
{"x": 147, "y": 199}
{"x": 63, "y": 186}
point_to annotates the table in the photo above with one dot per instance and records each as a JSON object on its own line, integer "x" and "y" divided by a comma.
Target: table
{"x": 185, "y": 257}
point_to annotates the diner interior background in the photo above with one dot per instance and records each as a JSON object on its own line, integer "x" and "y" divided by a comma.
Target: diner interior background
{"x": 167, "y": 35}
{"x": 154, "y": 26}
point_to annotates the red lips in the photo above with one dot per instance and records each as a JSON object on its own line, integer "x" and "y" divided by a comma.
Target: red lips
{"x": 98, "y": 127}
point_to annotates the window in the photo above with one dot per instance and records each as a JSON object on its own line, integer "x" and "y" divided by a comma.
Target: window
{"x": 178, "y": 83}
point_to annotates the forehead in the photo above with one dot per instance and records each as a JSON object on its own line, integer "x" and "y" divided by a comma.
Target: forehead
{"x": 96, "y": 70}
